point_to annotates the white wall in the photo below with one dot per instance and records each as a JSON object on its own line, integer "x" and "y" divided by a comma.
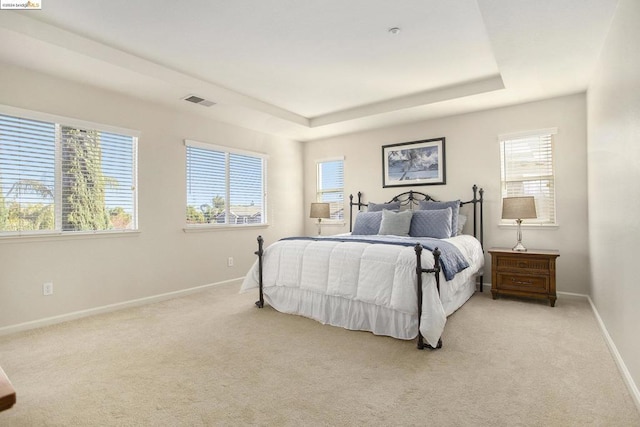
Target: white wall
{"x": 614, "y": 183}
{"x": 473, "y": 157}
{"x": 93, "y": 272}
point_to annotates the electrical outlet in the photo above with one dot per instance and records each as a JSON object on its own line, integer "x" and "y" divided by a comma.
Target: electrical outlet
{"x": 230, "y": 262}
{"x": 47, "y": 288}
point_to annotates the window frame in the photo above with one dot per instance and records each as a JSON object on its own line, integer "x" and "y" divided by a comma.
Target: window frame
{"x": 59, "y": 122}
{"x": 227, "y": 152}
{"x": 515, "y": 136}
{"x": 320, "y": 191}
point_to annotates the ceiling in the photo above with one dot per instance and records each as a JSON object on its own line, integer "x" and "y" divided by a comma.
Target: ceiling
{"x": 312, "y": 69}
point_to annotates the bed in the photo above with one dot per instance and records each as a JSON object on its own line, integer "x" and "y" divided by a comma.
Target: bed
{"x": 381, "y": 275}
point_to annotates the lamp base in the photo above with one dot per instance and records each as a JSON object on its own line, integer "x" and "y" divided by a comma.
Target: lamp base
{"x": 519, "y": 247}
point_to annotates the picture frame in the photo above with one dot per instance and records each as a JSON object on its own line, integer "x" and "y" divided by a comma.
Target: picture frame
{"x": 414, "y": 163}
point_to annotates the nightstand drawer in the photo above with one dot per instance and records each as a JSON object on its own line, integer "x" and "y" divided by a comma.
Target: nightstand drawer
{"x": 507, "y": 262}
{"x": 522, "y": 282}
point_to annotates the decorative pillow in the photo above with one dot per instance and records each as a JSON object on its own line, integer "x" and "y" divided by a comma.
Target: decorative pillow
{"x": 395, "y": 223}
{"x": 462, "y": 220}
{"x": 367, "y": 223}
{"x": 455, "y": 210}
{"x": 431, "y": 223}
{"x": 377, "y": 207}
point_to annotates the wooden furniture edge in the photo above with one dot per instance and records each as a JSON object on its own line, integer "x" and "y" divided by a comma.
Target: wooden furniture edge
{"x": 7, "y": 392}
{"x": 528, "y": 251}
{"x": 550, "y": 254}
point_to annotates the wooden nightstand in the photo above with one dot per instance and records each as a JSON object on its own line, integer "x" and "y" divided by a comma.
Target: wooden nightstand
{"x": 525, "y": 274}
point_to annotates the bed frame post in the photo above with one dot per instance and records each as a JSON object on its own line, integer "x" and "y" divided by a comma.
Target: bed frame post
{"x": 260, "y": 252}
{"x": 476, "y": 200}
{"x": 481, "y": 235}
{"x": 418, "y": 249}
{"x": 478, "y": 234}
{"x": 419, "y": 271}
{"x": 481, "y": 218}
{"x": 351, "y": 204}
{"x": 350, "y": 213}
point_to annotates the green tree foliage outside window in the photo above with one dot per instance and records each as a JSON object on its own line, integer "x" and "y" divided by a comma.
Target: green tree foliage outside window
{"x": 89, "y": 165}
{"x": 3, "y": 211}
{"x": 207, "y": 213}
{"x": 83, "y": 201}
{"x": 15, "y": 216}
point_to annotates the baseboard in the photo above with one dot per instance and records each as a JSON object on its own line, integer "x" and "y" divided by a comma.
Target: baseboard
{"x": 626, "y": 375}
{"x": 572, "y": 294}
{"x": 487, "y": 287}
{"x": 569, "y": 294}
{"x": 107, "y": 308}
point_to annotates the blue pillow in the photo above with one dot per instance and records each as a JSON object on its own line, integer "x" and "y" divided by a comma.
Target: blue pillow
{"x": 395, "y": 223}
{"x": 377, "y": 207}
{"x": 367, "y": 223}
{"x": 431, "y": 223}
{"x": 455, "y": 210}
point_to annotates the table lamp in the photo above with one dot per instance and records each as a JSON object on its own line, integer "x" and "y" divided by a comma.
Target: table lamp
{"x": 519, "y": 208}
{"x": 319, "y": 211}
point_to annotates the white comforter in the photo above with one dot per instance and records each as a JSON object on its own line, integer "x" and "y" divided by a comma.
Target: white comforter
{"x": 363, "y": 286}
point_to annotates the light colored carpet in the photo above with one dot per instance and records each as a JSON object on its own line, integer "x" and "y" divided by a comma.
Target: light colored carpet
{"x": 212, "y": 358}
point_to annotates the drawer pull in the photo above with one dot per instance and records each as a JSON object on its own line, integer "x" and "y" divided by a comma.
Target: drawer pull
{"x": 520, "y": 282}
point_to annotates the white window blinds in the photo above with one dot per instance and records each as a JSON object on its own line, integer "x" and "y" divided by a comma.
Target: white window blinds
{"x": 245, "y": 189}
{"x": 97, "y": 180}
{"x": 528, "y": 170}
{"x": 330, "y": 186}
{"x": 61, "y": 178}
{"x": 206, "y": 189}
{"x": 27, "y": 174}
{"x": 223, "y": 186}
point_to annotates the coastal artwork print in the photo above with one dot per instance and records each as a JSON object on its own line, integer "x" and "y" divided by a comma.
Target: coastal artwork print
{"x": 413, "y": 163}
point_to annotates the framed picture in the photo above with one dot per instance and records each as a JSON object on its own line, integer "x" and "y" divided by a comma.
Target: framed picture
{"x": 414, "y": 163}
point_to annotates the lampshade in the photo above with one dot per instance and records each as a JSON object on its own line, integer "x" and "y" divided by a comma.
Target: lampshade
{"x": 518, "y": 207}
{"x": 320, "y": 210}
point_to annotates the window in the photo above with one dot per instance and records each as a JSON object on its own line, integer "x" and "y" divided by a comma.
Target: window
{"x": 224, "y": 186}
{"x": 60, "y": 177}
{"x": 330, "y": 186}
{"x": 527, "y": 170}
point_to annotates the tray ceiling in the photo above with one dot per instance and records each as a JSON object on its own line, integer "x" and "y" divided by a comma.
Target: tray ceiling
{"x": 307, "y": 70}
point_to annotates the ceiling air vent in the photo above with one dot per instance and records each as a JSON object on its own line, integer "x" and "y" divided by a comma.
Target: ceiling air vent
{"x": 199, "y": 101}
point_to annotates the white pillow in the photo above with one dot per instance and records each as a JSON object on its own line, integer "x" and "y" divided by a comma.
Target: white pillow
{"x": 462, "y": 219}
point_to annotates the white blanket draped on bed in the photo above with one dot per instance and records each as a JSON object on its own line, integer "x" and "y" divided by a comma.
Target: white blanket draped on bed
{"x": 363, "y": 286}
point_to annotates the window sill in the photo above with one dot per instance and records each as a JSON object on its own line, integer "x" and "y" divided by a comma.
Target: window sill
{"x": 530, "y": 226}
{"x": 225, "y": 227}
{"x": 49, "y": 236}
{"x": 334, "y": 224}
